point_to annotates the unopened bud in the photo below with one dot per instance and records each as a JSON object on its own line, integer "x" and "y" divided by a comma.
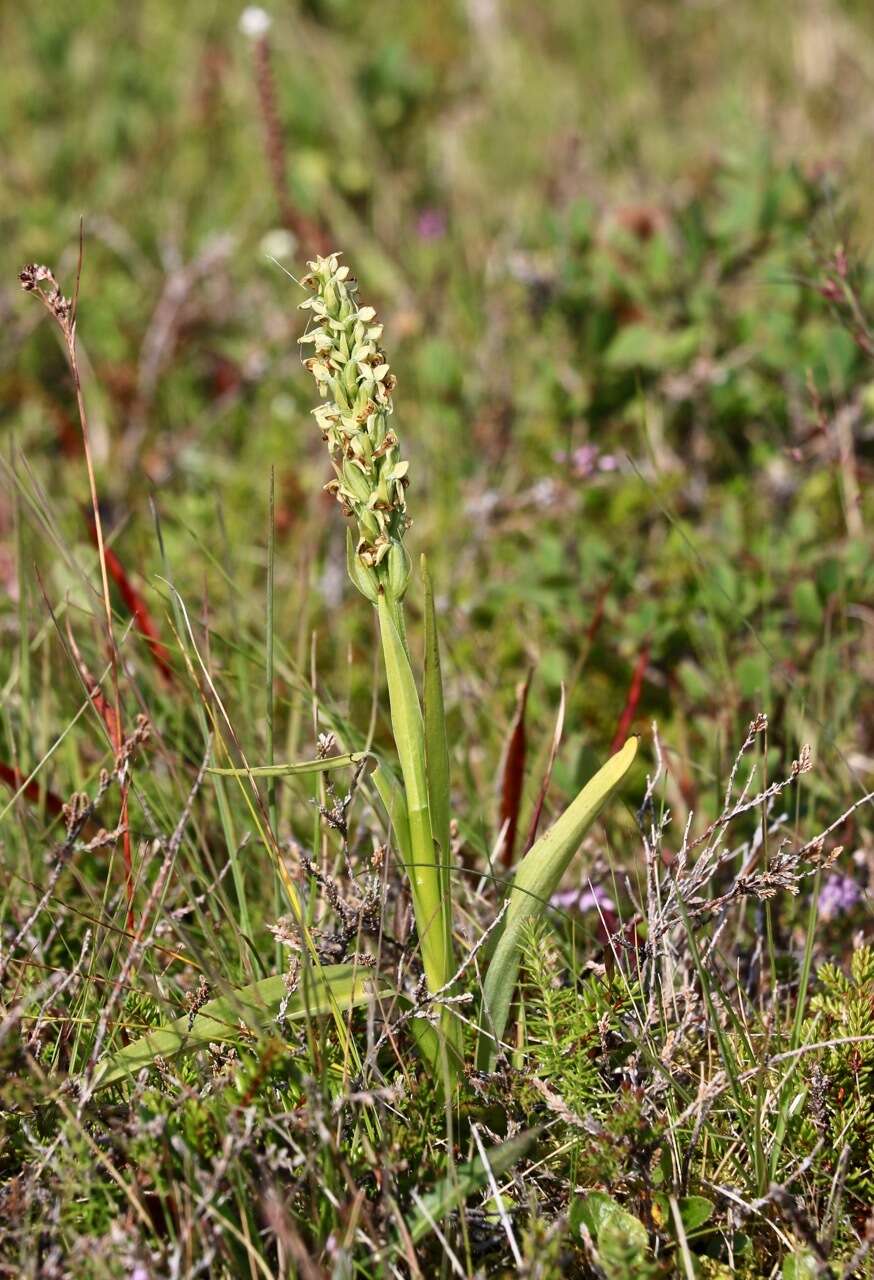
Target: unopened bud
{"x": 363, "y": 578}
{"x": 399, "y": 570}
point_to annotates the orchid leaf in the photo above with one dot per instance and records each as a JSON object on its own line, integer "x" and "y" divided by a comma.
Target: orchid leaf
{"x": 436, "y": 740}
{"x": 249, "y": 1010}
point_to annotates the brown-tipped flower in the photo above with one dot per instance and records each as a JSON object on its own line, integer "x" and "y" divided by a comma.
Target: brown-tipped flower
{"x": 354, "y": 379}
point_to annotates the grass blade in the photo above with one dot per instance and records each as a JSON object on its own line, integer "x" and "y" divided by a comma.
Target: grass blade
{"x": 536, "y": 879}
{"x": 136, "y": 606}
{"x": 547, "y": 773}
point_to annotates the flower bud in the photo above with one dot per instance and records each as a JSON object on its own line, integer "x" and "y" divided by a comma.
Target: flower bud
{"x": 399, "y": 570}
{"x": 362, "y": 577}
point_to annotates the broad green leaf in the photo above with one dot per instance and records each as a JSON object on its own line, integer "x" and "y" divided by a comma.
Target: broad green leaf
{"x": 637, "y": 346}
{"x": 694, "y": 1211}
{"x": 623, "y": 1247}
{"x": 534, "y": 883}
{"x": 598, "y": 1212}
{"x": 304, "y": 766}
{"x": 468, "y": 1178}
{"x": 620, "y": 1238}
{"x": 799, "y": 1266}
{"x": 342, "y": 986}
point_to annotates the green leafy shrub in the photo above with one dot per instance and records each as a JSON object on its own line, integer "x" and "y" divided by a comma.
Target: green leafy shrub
{"x": 574, "y": 1028}
{"x": 841, "y": 1079}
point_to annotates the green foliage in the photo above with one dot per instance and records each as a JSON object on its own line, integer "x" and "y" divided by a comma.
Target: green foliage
{"x": 465, "y": 1180}
{"x": 242, "y": 1013}
{"x": 799, "y": 1266}
{"x": 694, "y": 1212}
{"x": 621, "y": 1240}
{"x": 634, "y": 360}
{"x": 535, "y": 880}
{"x": 576, "y": 1030}
{"x": 841, "y": 1078}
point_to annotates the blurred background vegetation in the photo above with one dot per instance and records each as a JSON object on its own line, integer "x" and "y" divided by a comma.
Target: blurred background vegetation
{"x": 620, "y": 252}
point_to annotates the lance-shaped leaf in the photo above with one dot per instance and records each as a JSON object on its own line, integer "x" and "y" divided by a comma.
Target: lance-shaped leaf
{"x": 536, "y": 880}
{"x": 431, "y": 904}
{"x": 251, "y": 1009}
{"x": 391, "y": 793}
{"x": 547, "y": 773}
{"x": 437, "y": 746}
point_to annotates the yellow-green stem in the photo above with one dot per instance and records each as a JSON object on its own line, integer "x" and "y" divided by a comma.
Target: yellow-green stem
{"x": 433, "y": 915}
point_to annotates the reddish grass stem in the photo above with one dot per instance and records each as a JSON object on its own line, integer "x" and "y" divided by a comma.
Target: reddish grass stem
{"x": 41, "y": 281}
{"x": 629, "y": 711}
{"x": 137, "y": 608}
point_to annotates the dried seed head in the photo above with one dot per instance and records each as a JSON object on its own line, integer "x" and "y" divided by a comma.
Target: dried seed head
{"x": 356, "y": 383}
{"x": 804, "y": 763}
{"x": 74, "y": 811}
{"x": 40, "y": 280}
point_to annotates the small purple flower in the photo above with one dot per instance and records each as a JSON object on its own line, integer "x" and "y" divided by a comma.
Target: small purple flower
{"x": 838, "y": 895}
{"x": 582, "y": 900}
{"x": 431, "y": 224}
{"x": 586, "y": 460}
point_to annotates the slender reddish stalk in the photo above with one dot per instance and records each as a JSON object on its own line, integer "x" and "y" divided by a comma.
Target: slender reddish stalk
{"x": 629, "y": 711}
{"x": 137, "y": 608}
{"x": 110, "y": 716}
{"x": 598, "y": 615}
{"x": 513, "y": 775}
{"x": 305, "y": 229}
